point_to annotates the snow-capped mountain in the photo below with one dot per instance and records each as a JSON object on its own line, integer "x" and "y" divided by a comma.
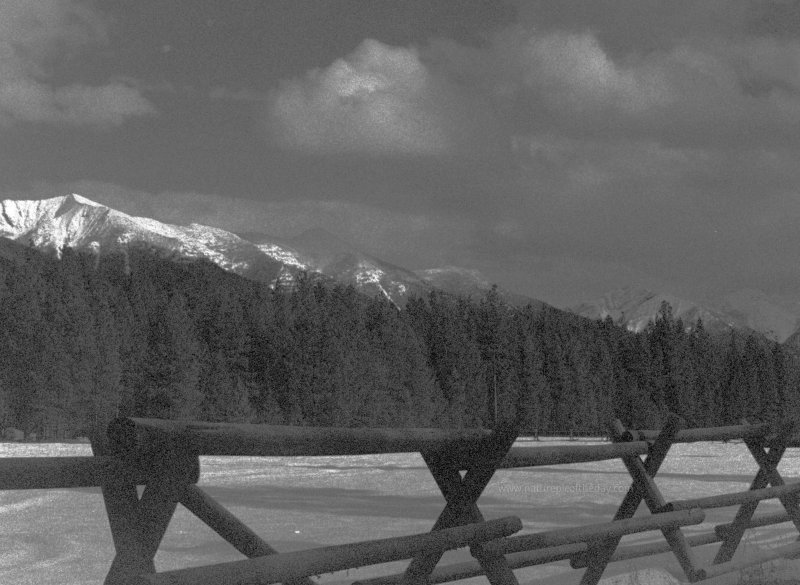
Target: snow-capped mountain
{"x": 635, "y": 308}
{"x": 77, "y": 222}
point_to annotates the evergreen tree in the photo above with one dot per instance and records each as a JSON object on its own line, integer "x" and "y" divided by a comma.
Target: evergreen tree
{"x": 174, "y": 365}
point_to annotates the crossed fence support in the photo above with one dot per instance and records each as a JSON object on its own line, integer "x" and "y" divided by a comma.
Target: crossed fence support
{"x": 594, "y": 547}
{"x": 765, "y": 445}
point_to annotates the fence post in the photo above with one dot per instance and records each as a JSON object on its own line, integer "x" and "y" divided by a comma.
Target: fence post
{"x": 461, "y": 495}
{"x": 138, "y": 524}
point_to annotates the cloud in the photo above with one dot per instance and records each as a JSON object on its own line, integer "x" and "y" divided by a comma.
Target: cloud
{"x": 449, "y": 98}
{"x": 379, "y": 100}
{"x": 35, "y": 38}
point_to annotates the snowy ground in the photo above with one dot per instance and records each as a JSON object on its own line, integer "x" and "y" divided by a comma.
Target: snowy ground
{"x": 62, "y": 536}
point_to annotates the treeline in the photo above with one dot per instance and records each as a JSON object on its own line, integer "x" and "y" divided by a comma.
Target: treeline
{"x": 86, "y": 338}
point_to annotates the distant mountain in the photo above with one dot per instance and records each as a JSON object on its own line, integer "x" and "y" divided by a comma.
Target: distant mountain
{"x": 470, "y": 283}
{"x": 634, "y": 308}
{"x": 747, "y": 310}
{"x": 319, "y": 252}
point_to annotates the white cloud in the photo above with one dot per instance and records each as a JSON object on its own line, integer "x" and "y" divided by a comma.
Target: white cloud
{"x": 378, "y": 100}
{"x": 34, "y": 37}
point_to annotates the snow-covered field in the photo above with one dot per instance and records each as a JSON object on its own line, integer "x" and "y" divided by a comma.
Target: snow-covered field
{"x": 62, "y": 536}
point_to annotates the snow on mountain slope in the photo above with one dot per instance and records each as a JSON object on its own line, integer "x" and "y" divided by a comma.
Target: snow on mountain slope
{"x": 337, "y": 259}
{"x": 77, "y": 222}
{"x": 284, "y": 255}
{"x": 635, "y": 308}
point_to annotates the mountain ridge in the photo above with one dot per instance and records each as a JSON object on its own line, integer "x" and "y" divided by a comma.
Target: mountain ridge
{"x": 75, "y": 221}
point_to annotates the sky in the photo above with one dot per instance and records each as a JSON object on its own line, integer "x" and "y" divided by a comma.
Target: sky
{"x": 563, "y": 148}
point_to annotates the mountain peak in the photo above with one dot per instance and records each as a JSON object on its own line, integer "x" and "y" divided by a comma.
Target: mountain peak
{"x": 73, "y": 201}
{"x": 80, "y": 200}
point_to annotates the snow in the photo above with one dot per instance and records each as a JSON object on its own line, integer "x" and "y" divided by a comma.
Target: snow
{"x": 62, "y": 536}
{"x": 73, "y": 220}
{"x": 283, "y": 255}
{"x": 367, "y": 273}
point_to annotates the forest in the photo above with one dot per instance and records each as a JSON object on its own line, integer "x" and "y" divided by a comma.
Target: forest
{"x": 89, "y": 337}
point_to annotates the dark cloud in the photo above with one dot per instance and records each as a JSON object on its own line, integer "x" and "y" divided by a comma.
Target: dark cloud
{"x": 34, "y": 36}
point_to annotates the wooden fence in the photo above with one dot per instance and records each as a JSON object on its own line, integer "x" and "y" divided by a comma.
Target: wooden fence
{"x": 163, "y": 456}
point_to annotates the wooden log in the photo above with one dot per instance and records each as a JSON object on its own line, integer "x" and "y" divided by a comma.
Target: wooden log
{"x": 634, "y": 551}
{"x": 726, "y": 433}
{"x": 577, "y": 552}
{"x": 130, "y": 436}
{"x": 781, "y": 552}
{"x": 733, "y": 499}
{"x": 294, "y": 565}
{"x": 229, "y": 526}
{"x": 614, "y": 529}
{"x": 458, "y": 571}
{"x": 564, "y": 454}
{"x": 763, "y": 520}
{"x": 43, "y": 473}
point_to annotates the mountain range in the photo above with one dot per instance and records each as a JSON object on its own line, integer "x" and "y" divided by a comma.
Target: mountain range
{"x": 75, "y": 221}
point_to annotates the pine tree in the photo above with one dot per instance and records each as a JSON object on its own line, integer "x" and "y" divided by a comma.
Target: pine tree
{"x": 174, "y": 363}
